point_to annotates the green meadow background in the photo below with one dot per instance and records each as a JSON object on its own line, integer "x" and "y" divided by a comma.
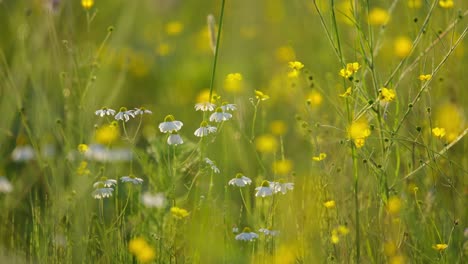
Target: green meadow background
{"x": 399, "y": 198}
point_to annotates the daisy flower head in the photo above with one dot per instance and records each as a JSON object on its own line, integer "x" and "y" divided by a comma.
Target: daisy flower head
{"x": 153, "y": 200}
{"x": 124, "y": 114}
{"x": 240, "y": 180}
{"x": 228, "y": 107}
{"x": 132, "y": 179}
{"x": 219, "y": 115}
{"x": 174, "y": 139}
{"x": 104, "y": 182}
{"x": 268, "y": 231}
{"x": 170, "y": 125}
{"x": 247, "y": 235}
{"x": 212, "y": 165}
{"x": 264, "y": 190}
{"x": 141, "y": 111}
{"x": 281, "y": 186}
{"x": 205, "y": 106}
{"x": 105, "y": 111}
{"x": 205, "y": 129}
{"x": 102, "y": 193}
{"x": 5, "y": 185}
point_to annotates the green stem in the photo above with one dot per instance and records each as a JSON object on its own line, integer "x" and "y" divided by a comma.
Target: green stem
{"x": 216, "y": 50}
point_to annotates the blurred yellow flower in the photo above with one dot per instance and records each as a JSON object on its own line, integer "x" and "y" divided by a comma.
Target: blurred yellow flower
{"x": 314, "y": 98}
{"x": 320, "y": 157}
{"x": 204, "y": 96}
{"x": 438, "y": 132}
{"x": 261, "y": 96}
{"x": 107, "y": 134}
{"x": 414, "y": 3}
{"x": 329, "y": 204}
{"x": 163, "y": 49}
{"x": 398, "y": 259}
{"x": 358, "y": 131}
{"x": 82, "y": 148}
{"x": 348, "y": 92}
{"x": 440, "y": 247}
{"x": 179, "y": 213}
{"x": 335, "y": 239}
{"x": 450, "y": 117}
{"x": 83, "y": 169}
{"x": 141, "y": 249}
{"x": 285, "y": 53}
{"x": 389, "y": 248}
{"x": 446, "y": 3}
{"x": 378, "y": 17}
{"x": 266, "y": 143}
{"x": 402, "y": 46}
{"x": 296, "y": 67}
{"x": 174, "y": 28}
{"x": 387, "y": 95}
{"x": 282, "y": 167}
{"x": 87, "y": 4}
{"x": 425, "y": 77}
{"x": 394, "y": 205}
{"x": 233, "y": 82}
{"x": 343, "y": 230}
{"x": 278, "y": 127}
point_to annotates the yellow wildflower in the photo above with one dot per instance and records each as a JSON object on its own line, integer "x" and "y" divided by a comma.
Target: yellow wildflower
{"x": 414, "y": 3}
{"x": 320, "y": 157}
{"x": 350, "y": 69}
{"x": 348, "y": 92}
{"x": 343, "y": 230}
{"x": 438, "y": 132}
{"x": 107, "y": 134}
{"x": 266, "y": 144}
{"x": 425, "y": 77}
{"x": 398, "y": 259}
{"x": 87, "y": 4}
{"x": 233, "y": 82}
{"x": 334, "y": 237}
{"x": 82, "y": 148}
{"x": 204, "y": 96}
{"x": 378, "y": 17}
{"x": 282, "y": 167}
{"x": 446, "y": 4}
{"x": 329, "y": 204}
{"x": 179, "y": 213}
{"x": 285, "y": 53}
{"x": 174, "y": 28}
{"x": 440, "y": 247}
{"x": 261, "y": 96}
{"x": 450, "y": 116}
{"x": 387, "y": 95}
{"x": 296, "y": 67}
{"x": 163, "y": 49}
{"x": 358, "y": 131}
{"x": 402, "y": 46}
{"x": 394, "y": 205}
{"x": 141, "y": 249}
{"x": 278, "y": 127}
{"x": 314, "y": 98}
{"x": 83, "y": 169}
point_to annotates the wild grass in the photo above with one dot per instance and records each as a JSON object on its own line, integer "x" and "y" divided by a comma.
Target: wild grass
{"x": 337, "y": 132}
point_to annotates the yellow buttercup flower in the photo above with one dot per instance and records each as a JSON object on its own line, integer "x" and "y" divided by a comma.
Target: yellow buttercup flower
{"x": 387, "y": 95}
{"x": 285, "y": 53}
{"x": 233, "y": 82}
{"x": 378, "y": 17}
{"x": 141, "y": 249}
{"x": 403, "y": 46}
{"x": 329, "y": 204}
{"x": 107, "y": 134}
{"x": 278, "y": 127}
{"x": 450, "y": 116}
{"x": 296, "y": 67}
{"x": 82, "y": 148}
{"x": 348, "y": 92}
{"x": 394, "y": 205}
{"x": 87, "y": 4}
{"x": 440, "y": 247}
{"x": 261, "y": 96}
{"x": 314, "y": 98}
{"x": 320, "y": 157}
{"x": 174, "y": 28}
{"x": 350, "y": 69}
{"x": 282, "y": 167}
{"x": 266, "y": 144}
{"x": 446, "y": 4}
{"x": 414, "y": 3}
{"x": 358, "y": 131}
{"x": 438, "y": 132}
{"x": 425, "y": 77}
{"x": 179, "y": 213}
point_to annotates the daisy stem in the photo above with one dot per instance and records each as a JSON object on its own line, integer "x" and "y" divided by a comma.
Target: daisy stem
{"x": 243, "y": 200}
{"x": 252, "y": 134}
{"x": 215, "y": 60}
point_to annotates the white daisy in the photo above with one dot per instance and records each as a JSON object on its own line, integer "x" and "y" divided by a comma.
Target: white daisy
{"x": 5, "y": 185}
{"x": 212, "y": 165}
{"x": 22, "y": 153}
{"x": 104, "y": 182}
{"x": 131, "y": 179}
{"x": 264, "y": 190}
{"x": 174, "y": 139}
{"x": 153, "y": 201}
{"x": 124, "y": 114}
{"x": 170, "y": 125}
{"x": 228, "y": 107}
{"x": 205, "y": 106}
{"x": 105, "y": 111}
{"x": 282, "y": 187}
{"x": 220, "y": 116}
{"x": 240, "y": 180}
{"x": 268, "y": 232}
{"x": 204, "y": 130}
{"x": 246, "y": 235}
{"x": 141, "y": 111}
{"x": 102, "y": 193}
